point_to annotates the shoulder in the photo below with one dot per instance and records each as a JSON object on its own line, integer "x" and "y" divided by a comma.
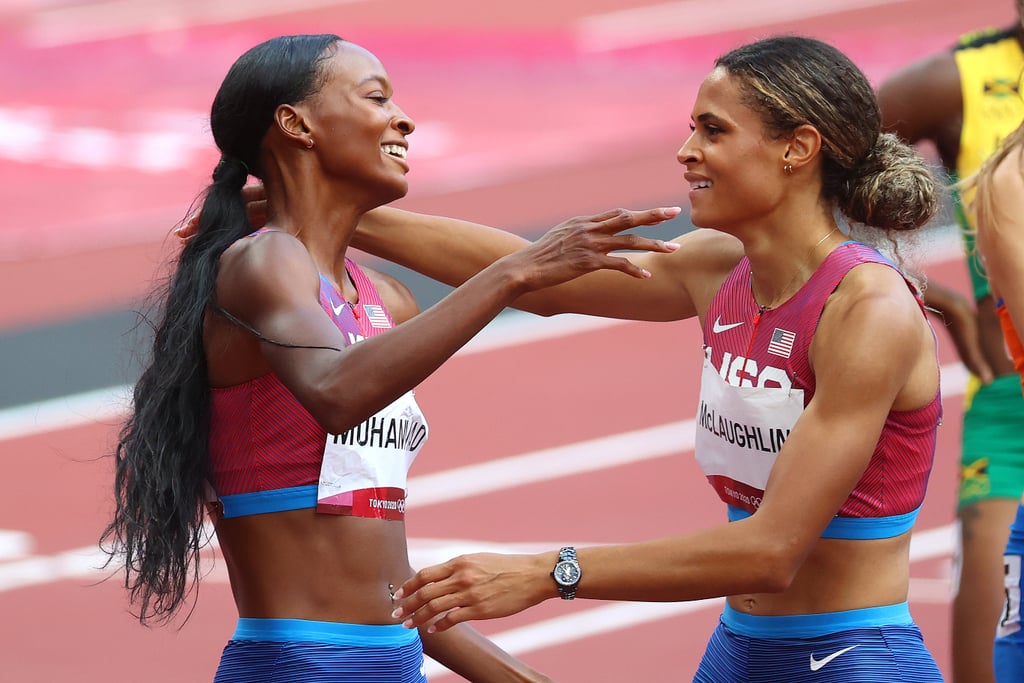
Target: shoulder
{"x": 985, "y": 36}
{"x": 934, "y": 80}
{"x": 702, "y": 263}
{"x": 708, "y": 252}
{"x": 261, "y": 268}
{"x": 399, "y": 299}
{"x": 254, "y": 253}
{"x": 873, "y": 302}
{"x": 1008, "y": 175}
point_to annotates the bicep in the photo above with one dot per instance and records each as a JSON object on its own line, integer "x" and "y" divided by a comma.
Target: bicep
{"x": 272, "y": 288}
{"x": 935, "y": 81}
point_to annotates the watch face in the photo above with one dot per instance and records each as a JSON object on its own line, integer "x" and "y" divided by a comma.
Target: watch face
{"x": 567, "y": 573}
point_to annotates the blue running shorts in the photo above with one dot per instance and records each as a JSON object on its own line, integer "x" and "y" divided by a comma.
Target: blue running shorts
{"x": 300, "y": 651}
{"x": 1009, "y": 648}
{"x": 873, "y": 645}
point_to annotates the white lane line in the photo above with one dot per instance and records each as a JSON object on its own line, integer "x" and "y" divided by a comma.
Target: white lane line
{"x": 688, "y": 18}
{"x": 551, "y": 463}
{"x": 91, "y": 407}
{"x": 81, "y": 23}
{"x": 108, "y": 406}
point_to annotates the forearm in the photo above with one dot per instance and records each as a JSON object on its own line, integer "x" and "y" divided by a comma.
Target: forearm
{"x": 445, "y": 249}
{"x": 709, "y": 563}
{"x": 472, "y": 656}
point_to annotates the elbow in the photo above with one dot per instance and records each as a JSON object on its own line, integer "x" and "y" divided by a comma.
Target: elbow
{"x": 777, "y": 567}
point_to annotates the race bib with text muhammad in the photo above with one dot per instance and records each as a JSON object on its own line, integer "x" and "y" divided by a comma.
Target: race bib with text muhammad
{"x": 364, "y": 470}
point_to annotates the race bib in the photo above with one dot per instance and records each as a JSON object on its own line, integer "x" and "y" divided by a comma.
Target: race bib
{"x": 364, "y": 470}
{"x": 740, "y": 431}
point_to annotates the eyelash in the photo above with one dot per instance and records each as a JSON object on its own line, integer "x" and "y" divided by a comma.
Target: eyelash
{"x": 709, "y": 130}
{"x": 379, "y": 99}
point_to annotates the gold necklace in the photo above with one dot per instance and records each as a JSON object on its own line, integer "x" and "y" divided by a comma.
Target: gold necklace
{"x": 764, "y": 307}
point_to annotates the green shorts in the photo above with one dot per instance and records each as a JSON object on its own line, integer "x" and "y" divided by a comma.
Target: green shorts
{"x": 992, "y": 457}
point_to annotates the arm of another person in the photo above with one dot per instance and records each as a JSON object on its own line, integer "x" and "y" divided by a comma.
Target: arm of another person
{"x": 475, "y": 658}
{"x": 451, "y": 251}
{"x": 1001, "y": 234}
{"x": 871, "y": 340}
{"x": 923, "y": 101}
{"x": 271, "y": 284}
{"x": 960, "y": 319}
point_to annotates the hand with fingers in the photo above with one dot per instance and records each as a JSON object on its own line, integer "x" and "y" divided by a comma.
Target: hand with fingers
{"x": 478, "y": 586}
{"x": 255, "y": 205}
{"x": 584, "y": 244}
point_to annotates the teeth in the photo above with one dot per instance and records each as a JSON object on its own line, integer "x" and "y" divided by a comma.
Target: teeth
{"x": 700, "y": 184}
{"x": 394, "y": 150}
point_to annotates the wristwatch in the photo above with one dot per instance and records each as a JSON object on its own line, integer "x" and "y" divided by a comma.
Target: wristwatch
{"x": 567, "y": 573}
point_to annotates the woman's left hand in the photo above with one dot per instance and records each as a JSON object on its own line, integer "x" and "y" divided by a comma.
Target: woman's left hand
{"x": 479, "y": 586}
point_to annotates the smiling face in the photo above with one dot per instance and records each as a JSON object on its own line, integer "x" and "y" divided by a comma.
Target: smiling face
{"x": 358, "y": 130}
{"x": 733, "y": 169}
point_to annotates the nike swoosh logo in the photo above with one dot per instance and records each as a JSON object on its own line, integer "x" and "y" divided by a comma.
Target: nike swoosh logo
{"x": 819, "y": 663}
{"x": 719, "y": 327}
{"x": 339, "y": 308}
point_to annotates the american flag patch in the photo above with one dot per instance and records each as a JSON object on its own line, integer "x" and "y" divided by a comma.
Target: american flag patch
{"x": 782, "y": 342}
{"x": 377, "y": 317}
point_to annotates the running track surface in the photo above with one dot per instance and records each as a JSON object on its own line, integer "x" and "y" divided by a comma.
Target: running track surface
{"x": 526, "y": 115}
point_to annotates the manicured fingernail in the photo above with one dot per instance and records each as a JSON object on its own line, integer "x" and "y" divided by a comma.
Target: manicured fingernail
{"x": 408, "y": 623}
{"x": 644, "y": 272}
{"x": 431, "y": 629}
{"x": 673, "y": 211}
{"x": 399, "y": 594}
{"x": 397, "y": 614}
{"x": 672, "y": 246}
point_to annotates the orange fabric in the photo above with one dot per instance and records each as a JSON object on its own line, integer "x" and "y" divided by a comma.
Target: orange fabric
{"x": 1013, "y": 343}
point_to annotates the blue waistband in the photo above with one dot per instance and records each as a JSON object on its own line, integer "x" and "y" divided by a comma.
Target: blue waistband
{"x": 855, "y": 528}
{"x": 1015, "y": 544}
{"x": 815, "y": 625}
{"x": 333, "y": 633}
{"x": 276, "y": 500}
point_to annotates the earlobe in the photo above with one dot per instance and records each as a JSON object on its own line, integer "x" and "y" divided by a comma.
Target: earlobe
{"x": 803, "y": 146}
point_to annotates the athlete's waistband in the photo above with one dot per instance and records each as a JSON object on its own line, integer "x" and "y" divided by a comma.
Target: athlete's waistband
{"x": 330, "y": 632}
{"x": 855, "y": 528}
{"x": 276, "y": 500}
{"x": 814, "y": 625}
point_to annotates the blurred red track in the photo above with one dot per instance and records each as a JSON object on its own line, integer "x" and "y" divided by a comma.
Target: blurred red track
{"x": 554, "y": 132}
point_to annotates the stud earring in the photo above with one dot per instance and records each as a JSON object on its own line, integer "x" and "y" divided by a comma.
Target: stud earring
{"x": 309, "y": 143}
{"x": 788, "y": 169}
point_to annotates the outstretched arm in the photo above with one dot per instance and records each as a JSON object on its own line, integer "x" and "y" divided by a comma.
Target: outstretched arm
{"x": 873, "y": 352}
{"x": 452, "y": 251}
{"x": 270, "y": 283}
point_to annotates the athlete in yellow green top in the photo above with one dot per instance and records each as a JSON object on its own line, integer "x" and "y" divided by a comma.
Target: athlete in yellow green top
{"x": 964, "y": 101}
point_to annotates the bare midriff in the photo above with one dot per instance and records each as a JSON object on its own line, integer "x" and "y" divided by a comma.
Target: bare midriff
{"x": 304, "y": 565}
{"x": 839, "y": 575}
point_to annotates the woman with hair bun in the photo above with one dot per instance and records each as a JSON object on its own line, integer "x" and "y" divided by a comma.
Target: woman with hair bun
{"x": 819, "y": 397}
{"x": 280, "y": 388}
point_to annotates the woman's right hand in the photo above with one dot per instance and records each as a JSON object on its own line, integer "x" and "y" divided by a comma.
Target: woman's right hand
{"x": 583, "y": 244}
